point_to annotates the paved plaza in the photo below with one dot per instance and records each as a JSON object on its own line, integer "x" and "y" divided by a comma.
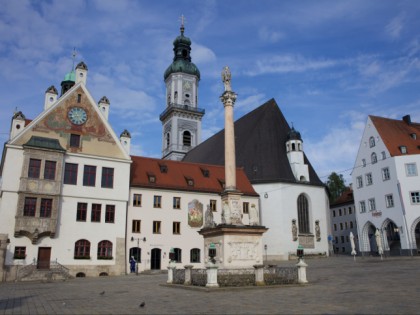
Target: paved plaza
{"x": 337, "y": 285}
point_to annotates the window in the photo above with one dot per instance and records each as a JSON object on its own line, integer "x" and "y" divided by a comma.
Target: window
{"x": 107, "y": 177}
{"x": 371, "y": 142}
{"x": 168, "y": 139}
{"x": 95, "y": 215}
{"x": 336, "y": 239}
{"x": 195, "y": 255}
{"x": 213, "y": 205}
{"x": 362, "y": 206}
{"x": 70, "y": 174}
{"x": 342, "y": 239}
{"x": 177, "y": 203}
{"x": 20, "y": 252}
{"x": 350, "y": 210}
{"x": 333, "y": 213}
{"x": 303, "y": 214}
{"x": 383, "y": 155}
{"x": 359, "y": 181}
{"x": 46, "y": 207}
{"x": 89, "y": 175}
{"x": 34, "y": 168}
{"x": 136, "y": 226}
{"x": 341, "y": 226}
{"x": 372, "y": 205}
{"x": 152, "y": 178}
{"x": 74, "y": 141}
{"x": 157, "y": 201}
{"x": 411, "y": 169}
{"x": 344, "y": 211}
{"x": 385, "y": 173}
{"x": 369, "y": 179}
{"x": 29, "y": 207}
{"x": 178, "y": 255}
{"x": 373, "y": 158}
{"x": 346, "y": 225}
{"x": 245, "y": 207}
{"x": 415, "y": 197}
{"x": 110, "y": 214}
{"x": 389, "y": 200}
{"x": 347, "y": 239}
{"x": 186, "y": 138}
{"x": 176, "y": 227}
{"x": 351, "y": 224}
{"x": 105, "y": 250}
{"x": 339, "y": 212}
{"x": 364, "y": 162}
{"x": 82, "y": 249}
{"x": 156, "y": 227}
{"x": 81, "y": 211}
{"x": 49, "y": 170}
{"x": 403, "y": 149}
{"x": 79, "y": 98}
{"x": 335, "y": 227}
{"x": 137, "y": 200}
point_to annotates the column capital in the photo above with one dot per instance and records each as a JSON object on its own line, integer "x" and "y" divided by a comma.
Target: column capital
{"x": 228, "y": 98}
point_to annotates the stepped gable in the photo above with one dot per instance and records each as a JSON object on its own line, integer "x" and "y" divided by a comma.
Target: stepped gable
{"x": 176, "y": 175}
{"x": 397, "y": 133}
{"x": 260, "y": 138}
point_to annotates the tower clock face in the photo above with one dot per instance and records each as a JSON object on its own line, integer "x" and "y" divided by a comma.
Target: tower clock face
{"x": 187, "y": 85}
{"x": 77, "y": 115}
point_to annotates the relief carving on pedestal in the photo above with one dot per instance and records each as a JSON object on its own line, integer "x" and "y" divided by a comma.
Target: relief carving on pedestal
{"x": 243, "y": 250}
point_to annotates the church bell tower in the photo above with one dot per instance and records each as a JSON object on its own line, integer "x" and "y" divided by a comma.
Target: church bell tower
{"x": 181, "y": 119}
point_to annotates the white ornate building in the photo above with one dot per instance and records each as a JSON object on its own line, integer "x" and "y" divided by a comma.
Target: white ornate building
{"x": 387, "y": 187}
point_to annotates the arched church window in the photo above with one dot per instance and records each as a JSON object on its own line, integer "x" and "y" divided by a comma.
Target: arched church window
{"x": 168, "y": 139}
{"x": 293, "y": 147}
{"x": 186, "y": 138}
{"x": 371, "y": 142}
{"x": 303, "y": 214}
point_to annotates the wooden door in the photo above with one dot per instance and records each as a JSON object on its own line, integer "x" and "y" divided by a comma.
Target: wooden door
{"x": 44, "y": 256}
{"x": 155, "y": 262}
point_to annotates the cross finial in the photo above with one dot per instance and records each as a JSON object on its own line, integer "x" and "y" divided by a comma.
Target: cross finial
{"x": 73, "y": 55}
{"x": 182, "y": 19}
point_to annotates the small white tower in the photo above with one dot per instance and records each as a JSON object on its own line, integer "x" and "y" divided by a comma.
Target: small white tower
{"x": 81, "y": 72}
{"x": 125, "y": 139}
{"x": 51, "y": 95}
{"x": 294, "y": 149}
{"x": 103, "y": 105}
{"x": 18, "y": 124}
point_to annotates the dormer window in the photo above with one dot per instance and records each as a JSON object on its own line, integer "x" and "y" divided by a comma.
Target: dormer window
{"x": 152, "y": 178}
{"x": 413, "y": 136}
{"x": 206, "y": 172}
{"x": 222, "y": 183}
{"x": 403, "y": 149}
{"x": 371, "y": 142}
{"x": 190, "y": 181}
{"x": 163, "y": 168}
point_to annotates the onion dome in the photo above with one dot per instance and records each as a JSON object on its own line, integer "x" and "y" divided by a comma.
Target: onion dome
{"x": 82, "y": 65}
{"x": 105, "y": 100}
{"x": 19, "y": 115}
{"x": 293, "y": 135}
{"x": 52, "y": 90}
{"x": 125, "y": 133}
{"x": 182, "y": 58}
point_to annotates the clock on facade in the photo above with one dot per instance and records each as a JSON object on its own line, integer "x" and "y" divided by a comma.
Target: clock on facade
{"x": 77, "y": 115}
{"x": 187, "y": 85}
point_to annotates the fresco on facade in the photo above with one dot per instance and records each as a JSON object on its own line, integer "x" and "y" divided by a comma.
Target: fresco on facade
{"x": 195, "y": 213}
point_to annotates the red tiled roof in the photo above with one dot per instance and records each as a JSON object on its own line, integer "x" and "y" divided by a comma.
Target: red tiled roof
{"x": 27, "y": 122}
{"x": 345, "y": 197}
{"x": 397, "y": 133}
{"x": 178, "y": 174}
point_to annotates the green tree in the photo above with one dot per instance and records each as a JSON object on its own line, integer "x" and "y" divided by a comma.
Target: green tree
{"x": 336, "y": 185}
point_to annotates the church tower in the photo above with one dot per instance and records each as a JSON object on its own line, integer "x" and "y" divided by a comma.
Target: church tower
{"x": 181, "y": 119}
{"x": 294, "y": 149}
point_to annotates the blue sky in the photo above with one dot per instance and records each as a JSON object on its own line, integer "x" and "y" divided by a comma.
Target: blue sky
{"x": 328, "y": 64}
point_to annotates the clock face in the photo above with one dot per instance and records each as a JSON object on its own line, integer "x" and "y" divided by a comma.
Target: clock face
{"x": 187, "y": 85}
{"x": 77, "y": 115}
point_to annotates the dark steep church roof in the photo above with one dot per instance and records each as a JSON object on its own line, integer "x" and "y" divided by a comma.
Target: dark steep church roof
{"x": 260, "y": 143}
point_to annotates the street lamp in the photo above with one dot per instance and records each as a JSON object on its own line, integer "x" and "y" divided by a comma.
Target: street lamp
{"x": 299, "y": 252}
{"x": 212, "y": 252}
{"x": 265, "y": 248}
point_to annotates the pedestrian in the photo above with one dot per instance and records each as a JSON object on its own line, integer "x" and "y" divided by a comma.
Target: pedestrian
{"x": 132, "y": 264}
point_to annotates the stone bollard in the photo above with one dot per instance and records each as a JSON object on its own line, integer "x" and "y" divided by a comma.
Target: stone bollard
{"x": 188, "y": 274}
{"x": 212, "y": 275}
{"x": 171, "y": 268}
{"x": 259, "y": 275}
{"x": 302, "y": 271}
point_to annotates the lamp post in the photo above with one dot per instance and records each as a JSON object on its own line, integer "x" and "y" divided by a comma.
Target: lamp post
{"x": 212, "y": 252}
{"x": 299, "y": 252}
{"x": 265, "y": 248}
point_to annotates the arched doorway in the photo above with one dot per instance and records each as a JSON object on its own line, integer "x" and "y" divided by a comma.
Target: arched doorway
{"x": 155, "y": 259}
{"x": 416, "y": 235}
{"x": 393, "y": 238}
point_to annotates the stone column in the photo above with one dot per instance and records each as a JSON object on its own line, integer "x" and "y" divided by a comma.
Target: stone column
{"x": 259, "y": 275}
{"x": 212, "y": 275}
{"x": 188, "y": 269}
{"x": 171, "y": 268}
{"x": 302, "y": 271}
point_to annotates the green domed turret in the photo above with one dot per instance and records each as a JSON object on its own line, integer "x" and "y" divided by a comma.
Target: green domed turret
{"x": 182, "y": 58}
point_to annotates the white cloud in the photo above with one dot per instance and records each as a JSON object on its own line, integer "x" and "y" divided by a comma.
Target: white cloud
{"x": 269, "y": 35}
{"x": 202, "y": 54}
{"x": 250, "y": 102}
{"x": 394, "y": 27}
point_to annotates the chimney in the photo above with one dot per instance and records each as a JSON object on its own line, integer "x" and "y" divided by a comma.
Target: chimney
{"x": 407, "y": 119}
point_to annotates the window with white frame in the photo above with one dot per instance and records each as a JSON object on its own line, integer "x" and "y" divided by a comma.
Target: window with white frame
{"x": 411, "y": 169}
{"x": 372, "y": 205}
{"x": 362, "y": 206}
{"x": 383, "y": 155}
{"x": 371, "y": 142}
{"x": 389, "y": 200}
{"x": 359, "y": 181}
{"x": 369, "y": 179}
{"x": 385, "y": 173}
{"x": 373, "y": 158}
{"x": 415, "y": 197}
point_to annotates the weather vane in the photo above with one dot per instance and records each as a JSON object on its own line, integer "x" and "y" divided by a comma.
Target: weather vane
{"x": 183, "y": 21}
